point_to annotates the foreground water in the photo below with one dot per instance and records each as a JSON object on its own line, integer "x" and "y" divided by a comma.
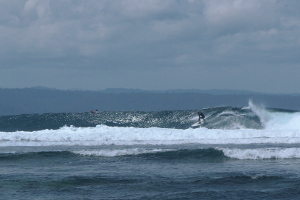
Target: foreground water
{"x": 239, "y": 153}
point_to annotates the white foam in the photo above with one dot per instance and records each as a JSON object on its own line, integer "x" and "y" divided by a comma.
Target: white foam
{"x": 104, "y": 135}
{"x": 262, "y": 153}
{"x": 118, "y": 152}
{"x": 227, "y": 113}
{"x": 276, "y": 120}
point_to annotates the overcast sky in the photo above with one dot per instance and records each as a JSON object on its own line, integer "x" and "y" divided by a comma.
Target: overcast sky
{"x": 151, "y": 44}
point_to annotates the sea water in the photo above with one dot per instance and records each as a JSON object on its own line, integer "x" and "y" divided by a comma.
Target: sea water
{"x": 238, "y": 153}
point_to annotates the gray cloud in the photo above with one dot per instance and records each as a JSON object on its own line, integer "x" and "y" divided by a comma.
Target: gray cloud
{"x": 130, "y": 43}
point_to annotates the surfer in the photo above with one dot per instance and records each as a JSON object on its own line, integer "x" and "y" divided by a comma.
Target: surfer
{"x": 200, "y": 120}
{"x": 201, "y": 116}
{"x": 94, "y": 111}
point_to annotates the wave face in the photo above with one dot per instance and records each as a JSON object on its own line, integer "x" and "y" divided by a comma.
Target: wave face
{"x": 159, "y": 154}
{"x": 216, "y": 118}
{"x": 224, "y": 125}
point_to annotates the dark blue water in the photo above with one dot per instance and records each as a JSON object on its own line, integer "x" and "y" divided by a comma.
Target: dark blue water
{"x": 185, "y": 173}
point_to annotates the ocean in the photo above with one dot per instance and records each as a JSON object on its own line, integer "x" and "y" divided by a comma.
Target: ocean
{"x": 247, "y": 152}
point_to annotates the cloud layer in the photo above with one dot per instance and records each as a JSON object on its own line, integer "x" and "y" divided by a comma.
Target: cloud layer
{"x": 151, "y": 44}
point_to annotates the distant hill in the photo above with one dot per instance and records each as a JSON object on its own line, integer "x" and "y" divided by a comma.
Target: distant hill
{"x": 218, "y": 92}
{"x": 45, "y": 100}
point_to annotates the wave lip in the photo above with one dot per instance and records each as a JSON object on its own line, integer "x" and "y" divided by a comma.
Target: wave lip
{"x": 165, "y": 154}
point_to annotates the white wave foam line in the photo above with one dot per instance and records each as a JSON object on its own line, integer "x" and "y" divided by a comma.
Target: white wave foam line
{"x": 118, "y": 152}
{"x": 262, "y": 153}
{"x": 284, "y": 121}
{"x": 104, "y": 135}
{"x": 227, "y": 113}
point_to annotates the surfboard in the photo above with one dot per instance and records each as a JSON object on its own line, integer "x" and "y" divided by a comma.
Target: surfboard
{"x": 196, "y": 124}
